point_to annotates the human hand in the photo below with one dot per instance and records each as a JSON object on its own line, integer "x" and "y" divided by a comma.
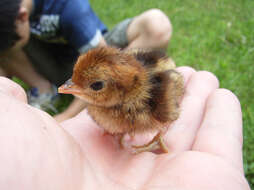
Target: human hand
{"x": 205, "y": 147}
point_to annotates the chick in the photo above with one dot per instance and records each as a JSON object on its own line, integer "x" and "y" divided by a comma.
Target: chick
{"x": 128, "y": 91}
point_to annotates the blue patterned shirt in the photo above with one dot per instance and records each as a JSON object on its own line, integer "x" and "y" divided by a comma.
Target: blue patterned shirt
{"x": 66, "y": 21}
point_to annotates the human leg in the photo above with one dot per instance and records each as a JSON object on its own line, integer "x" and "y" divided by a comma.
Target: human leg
{"x": 151, "y": 29}
{"x": 44, "y": 63}
{"x": 117, "y": 36}
{"x": 17, "y": 64}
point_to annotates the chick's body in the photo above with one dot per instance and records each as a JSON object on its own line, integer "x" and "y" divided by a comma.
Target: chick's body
{"x": 128, "y": 91}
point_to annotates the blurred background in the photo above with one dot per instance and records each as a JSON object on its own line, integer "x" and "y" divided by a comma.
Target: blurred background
{"x": 213, "y": 35}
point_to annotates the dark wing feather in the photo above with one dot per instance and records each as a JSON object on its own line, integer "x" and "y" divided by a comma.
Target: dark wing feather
{"x": 165, "y": 95}
{"x": 147, "y": 57}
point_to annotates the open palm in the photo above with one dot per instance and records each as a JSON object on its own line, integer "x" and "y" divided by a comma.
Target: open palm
{"x": 205, "y": 146}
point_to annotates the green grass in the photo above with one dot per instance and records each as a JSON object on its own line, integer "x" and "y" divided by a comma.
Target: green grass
{"x": 213, "y": 35}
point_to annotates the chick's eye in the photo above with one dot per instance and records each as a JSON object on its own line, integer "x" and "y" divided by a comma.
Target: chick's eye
{"x": 97, "y": 85}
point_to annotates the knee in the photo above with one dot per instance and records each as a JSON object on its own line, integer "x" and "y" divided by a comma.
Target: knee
{"x": 157, "y": 25}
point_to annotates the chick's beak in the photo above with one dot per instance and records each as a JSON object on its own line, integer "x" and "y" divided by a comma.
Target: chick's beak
{"x": 69, "y": 88}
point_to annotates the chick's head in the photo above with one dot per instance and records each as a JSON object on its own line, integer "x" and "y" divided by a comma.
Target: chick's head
{"x": 105, "y": 76}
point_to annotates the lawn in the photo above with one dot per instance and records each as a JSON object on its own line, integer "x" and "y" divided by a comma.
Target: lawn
{"x": 213, "y": 35}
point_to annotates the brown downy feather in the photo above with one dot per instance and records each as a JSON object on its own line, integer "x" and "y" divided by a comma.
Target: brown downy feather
{"x": 166, "y": 91}
{"x": 151, "y": 104}
{"x": 154, "y": 60}
{"x": 142, "y": 91}
{"x": 166, "y": 95}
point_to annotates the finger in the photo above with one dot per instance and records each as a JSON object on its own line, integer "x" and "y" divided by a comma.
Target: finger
{"x": 221, "y": 129}
{"x": 84, "y": 125}
{"x": 181, "y": 134}
{"x": 186, "y": 73}
{"x": 12, "y": 89}
{"x": 84, "y": 130}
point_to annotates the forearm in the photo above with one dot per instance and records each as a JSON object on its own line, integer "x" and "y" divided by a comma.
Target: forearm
{"x": 75, "y": 107}
{"x": 16, "y": 63}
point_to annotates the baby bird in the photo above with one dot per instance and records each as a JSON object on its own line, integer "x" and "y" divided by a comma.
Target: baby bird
{"x": 128, "y": 91}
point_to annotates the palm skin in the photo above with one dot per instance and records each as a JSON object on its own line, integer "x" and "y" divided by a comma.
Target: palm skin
{"x": 205, "y": 146}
